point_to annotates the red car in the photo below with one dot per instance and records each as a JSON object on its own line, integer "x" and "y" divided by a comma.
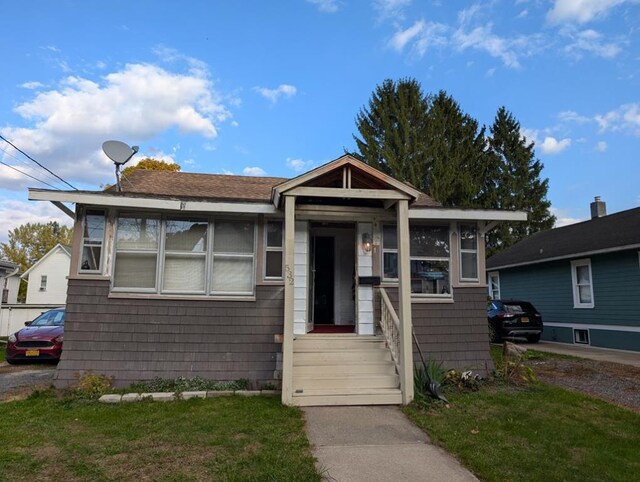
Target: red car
{"x": 40, "y": 340}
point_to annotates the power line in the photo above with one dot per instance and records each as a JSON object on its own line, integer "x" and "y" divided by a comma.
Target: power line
{"x": 31, "y": 158}
{"x": 28, "y": 175}
{"x": 22, "y": 161}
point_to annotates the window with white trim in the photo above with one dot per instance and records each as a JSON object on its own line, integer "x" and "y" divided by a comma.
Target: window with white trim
{"x": 43, "y": 282}
{"x": 185, "y": 255}
{"x": 468, "y": 252}
{"x": 430, "y": 258}
{"x": 582, "y": 283}
{"x": 192, "y": 256}
{"x": 581, "y": 336}
{"x": 494, "y": 285}
{"x": 92, "y": 242}
{"x": 274, "y": 250}
{"x": 137, "y": 245}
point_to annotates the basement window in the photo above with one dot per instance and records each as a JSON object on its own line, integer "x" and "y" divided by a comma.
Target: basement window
{"x": 581, "y": 337}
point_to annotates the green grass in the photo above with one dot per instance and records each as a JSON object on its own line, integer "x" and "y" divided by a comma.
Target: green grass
{"x": 3, "y": 348}
{"x": 536, "y": 433}
{"x": 227, "y": 439}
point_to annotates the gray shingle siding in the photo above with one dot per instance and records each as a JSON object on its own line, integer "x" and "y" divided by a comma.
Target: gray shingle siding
{"x": 454, "y": 333}
{"x": 140, "y": 339}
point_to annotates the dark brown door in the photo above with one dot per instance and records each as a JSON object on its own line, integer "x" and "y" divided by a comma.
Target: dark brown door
{"x": 323, "y": 280}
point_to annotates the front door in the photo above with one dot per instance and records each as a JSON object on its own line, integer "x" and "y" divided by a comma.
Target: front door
{"x": 323, "y": 276}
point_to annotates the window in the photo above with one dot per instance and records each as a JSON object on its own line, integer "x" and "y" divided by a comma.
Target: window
{"x": 43, "y": 282}
{"x": 136, "y": 253}
{"x": 468, "y": 252}
{"x": 582, "y": 284}
{"x": 273, "y": 256}
{"x": 494, "y": 286}
{"x": 185, "y": 255}
{"x": 581, "y": 337}
{"x": 429, "y": 258}
{"x": 92, "y": 240}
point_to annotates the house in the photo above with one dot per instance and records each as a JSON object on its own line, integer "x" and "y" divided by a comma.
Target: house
{"x": 9, "y": 281}
{"x": 314, "y": 283}
{"x": 47, "y": 278}
{"x": 583, "y": 278}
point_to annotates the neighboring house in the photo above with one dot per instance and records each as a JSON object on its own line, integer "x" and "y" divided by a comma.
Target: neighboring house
{"x": 293, "y": 281}
{"x": 584, "y": 278}
{"x": 47, "y": 278}
{"x": 9, "y": 282}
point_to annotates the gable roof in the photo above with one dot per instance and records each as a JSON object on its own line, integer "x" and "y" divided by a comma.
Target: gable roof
{"x": 608, "y": 233}
{"x": 66, "y": 249}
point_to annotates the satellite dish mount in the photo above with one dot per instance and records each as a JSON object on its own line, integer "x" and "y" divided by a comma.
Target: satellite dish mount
{"x": 120, "y": 153}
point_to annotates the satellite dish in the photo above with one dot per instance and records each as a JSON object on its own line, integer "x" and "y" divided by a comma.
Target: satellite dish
{"x": 120, "y": 153}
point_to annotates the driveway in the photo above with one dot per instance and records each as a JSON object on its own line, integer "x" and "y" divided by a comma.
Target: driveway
{"x": 18, "y": 379}
{"x": 598, "y": 354}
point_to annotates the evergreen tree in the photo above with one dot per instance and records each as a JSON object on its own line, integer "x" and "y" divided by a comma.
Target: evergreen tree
{"x": 519, "y": 185}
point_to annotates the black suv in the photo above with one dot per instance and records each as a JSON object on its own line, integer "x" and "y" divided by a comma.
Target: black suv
{"x": 509, "y": 318}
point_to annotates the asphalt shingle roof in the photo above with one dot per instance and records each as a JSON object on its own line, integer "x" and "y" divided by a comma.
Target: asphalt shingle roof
{"x": 607, "y": 232}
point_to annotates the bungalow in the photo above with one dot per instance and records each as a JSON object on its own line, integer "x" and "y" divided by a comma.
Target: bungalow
{"x": 315, "y": 283}
{"x": 584, "y": 278}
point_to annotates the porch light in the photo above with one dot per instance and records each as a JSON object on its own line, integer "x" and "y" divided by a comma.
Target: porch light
{"x": 366, "y": 242}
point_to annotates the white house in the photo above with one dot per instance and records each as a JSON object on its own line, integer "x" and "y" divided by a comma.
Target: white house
{"x": 47, "y": 278}
{"x": 9, "y": 281}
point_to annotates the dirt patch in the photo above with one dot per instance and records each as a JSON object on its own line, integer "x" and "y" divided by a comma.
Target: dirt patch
{"x": 613, "y": 382}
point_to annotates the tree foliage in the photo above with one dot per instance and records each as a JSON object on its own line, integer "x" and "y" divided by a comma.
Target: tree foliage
{"x": 430, "y": 142}
{"x": 31, "y": 241}
{"x": 151, "y": 164}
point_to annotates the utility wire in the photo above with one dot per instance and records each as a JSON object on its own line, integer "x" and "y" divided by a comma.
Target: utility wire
{"x": 22, "y": 161}
{"x": 28, "y": 175}
{"x": 31, "y": 158}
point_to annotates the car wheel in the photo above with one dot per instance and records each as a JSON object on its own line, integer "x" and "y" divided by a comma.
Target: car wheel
{"x": 11, "y": 362}
{"x": 494, "y": 336}
{"x": 533, "y": 338}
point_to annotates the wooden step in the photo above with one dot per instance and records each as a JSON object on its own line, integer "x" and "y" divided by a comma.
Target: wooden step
{"x": 374, "y": 368}
{"x": 307, "y": 345}
{"x": 342, "y": 382}
{"x": 340, "y": 357}
{"x": 348, "y": 397}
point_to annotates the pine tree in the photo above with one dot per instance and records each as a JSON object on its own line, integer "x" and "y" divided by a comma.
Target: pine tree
{"x": 519, "y": 186}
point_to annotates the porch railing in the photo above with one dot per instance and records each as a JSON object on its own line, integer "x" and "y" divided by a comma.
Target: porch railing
{"x": 390, "y": 325}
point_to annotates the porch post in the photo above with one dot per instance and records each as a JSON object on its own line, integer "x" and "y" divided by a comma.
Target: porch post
{"x": 404, "y": 301}
{"x": 287, "y": 342}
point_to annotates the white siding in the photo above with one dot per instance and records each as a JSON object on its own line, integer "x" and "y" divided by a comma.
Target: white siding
{"x": 56, "y": 268}
{"x": 301, "y": 278}
{"x": 12, "y": 284}
{"x": 365, "y": 293}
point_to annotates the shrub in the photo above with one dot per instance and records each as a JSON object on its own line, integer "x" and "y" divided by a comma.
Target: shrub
{"x": 91, "y": 385}
{"x": 182, "y": 384}
{"x": 511, "y": 367}
{"x": 462, "y": 381}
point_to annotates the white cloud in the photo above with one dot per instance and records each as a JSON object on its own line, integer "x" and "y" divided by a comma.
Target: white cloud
{"x": 273, "y": 95}
{"x": 581, "y": 11}
{"x": 391, "y": 8}
{"x": 572, "y": 116}
{"x": 253, "y": 171}
{"x": 530, "y": 135}
{"x": 67, "y": 125}
{"x": 563, "y": 218}
{"x": 589, "y": 41}
{"x": 234, "y": 124}
{"x": 402, "y": 37}
{"x": 298, "y": 165}
{"x": 523, "y": 14}
{"x": 601, "y": 146}
{"x": 326, "y": 6}
{"x": 551, "y": 145}
{"x": 32, "y": 85}
{"x": 14, "y": 213}
{"x": 624, "y": 118}
{"x": 423, "y": 35}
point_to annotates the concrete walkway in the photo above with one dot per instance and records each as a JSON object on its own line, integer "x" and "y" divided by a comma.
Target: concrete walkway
{"x": 599, "y": 354}
{"x": 376, "y": 444}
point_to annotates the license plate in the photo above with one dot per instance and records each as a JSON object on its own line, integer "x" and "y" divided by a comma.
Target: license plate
{"x": 32, "y": 353}
{"x": 524, "y": 319}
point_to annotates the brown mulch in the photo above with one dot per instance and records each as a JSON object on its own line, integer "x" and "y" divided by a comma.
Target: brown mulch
{"x": 613, "y": 382}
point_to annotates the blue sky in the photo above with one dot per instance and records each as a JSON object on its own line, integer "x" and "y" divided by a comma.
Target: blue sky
{"x": 273, "y": 88}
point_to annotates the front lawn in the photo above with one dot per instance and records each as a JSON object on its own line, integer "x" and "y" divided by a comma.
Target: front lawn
{"x": 227, "y": 438}
{"x": 538, "y": 432}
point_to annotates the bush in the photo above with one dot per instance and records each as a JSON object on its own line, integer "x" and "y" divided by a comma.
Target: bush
{"x": 511, "y": 367}
{"x": 462, "y": 381}
{"x": 91, "y": 386}
{"x": 182, "y": 384}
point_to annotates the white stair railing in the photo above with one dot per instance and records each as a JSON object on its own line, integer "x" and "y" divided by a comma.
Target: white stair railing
{"x": 390, "y": 325}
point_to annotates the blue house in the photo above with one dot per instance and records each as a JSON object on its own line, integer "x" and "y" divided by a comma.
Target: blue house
{"x": 583, "y": 278}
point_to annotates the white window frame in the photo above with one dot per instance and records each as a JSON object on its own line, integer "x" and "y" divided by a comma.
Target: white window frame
{"x": 268, "y": 248}
{"x": 387, "y": 250}
{"x": 491, "y": 276}
{"x": 43, "y": 282}
{"x": 421, "y": 258}
{"x": 575, "y": 288}
{"x": 88, "y": 242}
{"x": 575, "y": 332}
{"x": 225, "y": 255}
{"x": 467, "y": 251}
{"x": 183, "y": 254}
